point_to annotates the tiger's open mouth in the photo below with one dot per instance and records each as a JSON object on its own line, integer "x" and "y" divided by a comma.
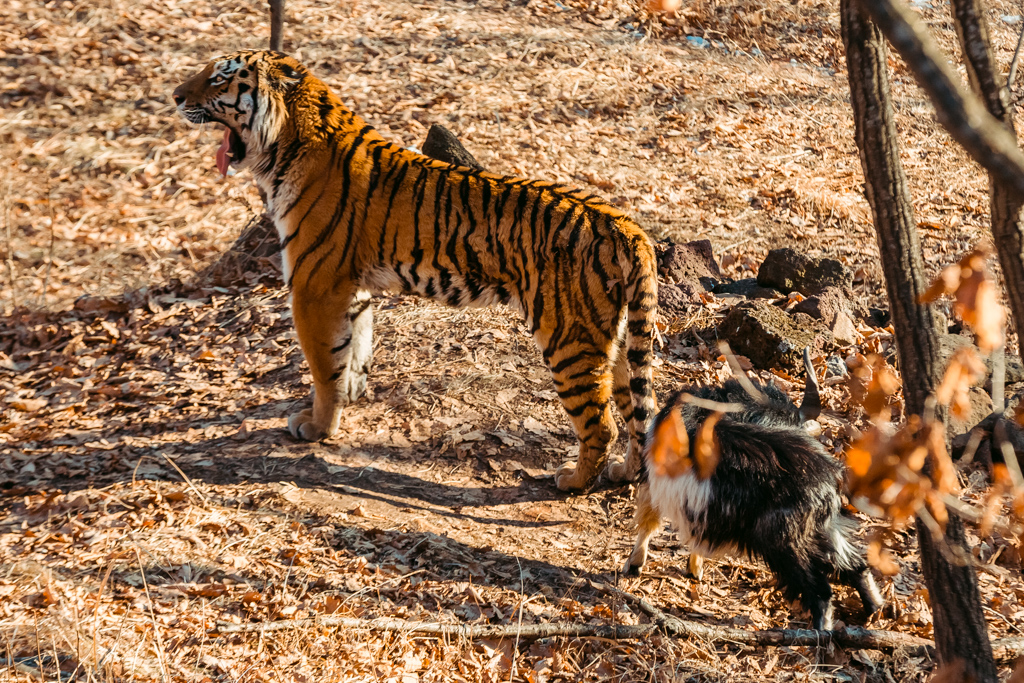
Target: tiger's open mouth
{"x": 231, "y": 151}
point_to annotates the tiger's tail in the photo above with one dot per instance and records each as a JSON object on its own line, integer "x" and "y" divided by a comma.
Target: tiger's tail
{"x": 641, "y": 295}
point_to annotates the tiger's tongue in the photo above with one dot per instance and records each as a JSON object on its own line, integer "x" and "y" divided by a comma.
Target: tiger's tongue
{"x": 222, "y": 152}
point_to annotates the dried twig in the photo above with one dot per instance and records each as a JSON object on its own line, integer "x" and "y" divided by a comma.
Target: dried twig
{"x": 1016, "y": 57}
{"x": 49, "y": 257}
{"x": 152, "y": 616}
{"x": 188, "y": 481}
{"x": 708, "y": 404}
{"x": 740, "y": 374}
{"x": 5, "y": 209}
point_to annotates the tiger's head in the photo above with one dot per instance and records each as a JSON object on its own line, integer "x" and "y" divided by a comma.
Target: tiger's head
{"x": 246, "y": 91}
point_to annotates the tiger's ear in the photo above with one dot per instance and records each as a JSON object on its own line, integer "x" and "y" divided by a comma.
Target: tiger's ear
{"x": 281, "y": 76}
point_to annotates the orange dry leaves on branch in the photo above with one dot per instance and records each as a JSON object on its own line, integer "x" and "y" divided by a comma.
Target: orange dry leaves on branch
{"x": 886, "y": 477}
{"x": 875, "y": 386}
{"x": 975, "y": 300}
{"x": 705, "y": 451}
{"x": 671, "y": 447}
{"x": 963, "y": 372}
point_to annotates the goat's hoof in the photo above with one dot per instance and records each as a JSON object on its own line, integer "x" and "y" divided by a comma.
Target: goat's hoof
{"x": 631, "y": 569}
{"x": 695, "y": 567}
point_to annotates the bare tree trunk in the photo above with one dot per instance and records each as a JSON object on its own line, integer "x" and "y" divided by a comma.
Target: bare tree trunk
{"x": 960, "y": 631}
{"x": 277, "y": 25}
{"x": 1007, "y": 228}
{"x": 885, "y": 185}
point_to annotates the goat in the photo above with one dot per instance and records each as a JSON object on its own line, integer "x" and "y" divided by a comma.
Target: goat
{"x": 774, "y": 494}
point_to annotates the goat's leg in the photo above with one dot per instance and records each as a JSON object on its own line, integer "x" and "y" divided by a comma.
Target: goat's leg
{"x": 799, "y": 579}
{"x": 696, "y": 565}
{"x": 860, "y": 578}
{"x": 648, "y": 520}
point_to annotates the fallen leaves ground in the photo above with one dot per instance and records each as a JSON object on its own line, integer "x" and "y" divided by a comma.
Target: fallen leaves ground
{"x": 151, "y": 489}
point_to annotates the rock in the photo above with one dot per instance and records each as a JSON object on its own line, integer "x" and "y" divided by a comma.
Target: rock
{"x": 689, "y": 261}
{"x": 1014, "y": 369}
{"x": 831, "y": 308}
{"x": 674, "y": 300}
{"x": 747, "y": 287}
{"x": 987, "y": 455}
{"x": 789, "y": 270}
{"x": 835, "y": 367}
{"x": 770, "y": 337}
{"x": 981, "y": 407}
{"x": 826, "y": 306}
{"x": 442, "y": 144}
{"x": 843, "y": 330}
{"x": 951, "y": 343}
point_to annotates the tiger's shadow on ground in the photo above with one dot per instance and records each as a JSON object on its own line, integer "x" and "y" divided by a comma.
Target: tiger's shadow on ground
{"x": 391, "y": 553}
{"x": 329, "y": 482}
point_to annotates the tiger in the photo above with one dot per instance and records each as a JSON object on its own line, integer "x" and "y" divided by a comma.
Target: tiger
{"x": 357, "y": 215}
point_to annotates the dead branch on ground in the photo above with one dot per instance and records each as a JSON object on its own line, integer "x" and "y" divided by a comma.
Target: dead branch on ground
{"x": 851, "y": 637}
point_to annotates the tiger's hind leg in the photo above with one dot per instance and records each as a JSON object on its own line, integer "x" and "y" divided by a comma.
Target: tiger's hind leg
{"x": 584, "y": 382}
{"x": 360, "y": 313}
{"x": 625, "y": 470}
{"x": 335, "y": 331}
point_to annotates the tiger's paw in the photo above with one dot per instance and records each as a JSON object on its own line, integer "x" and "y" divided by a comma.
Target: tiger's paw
{"x": 618, "y": 471}
{"x": 568, "y": 477}
{"x": 302, "y": 426}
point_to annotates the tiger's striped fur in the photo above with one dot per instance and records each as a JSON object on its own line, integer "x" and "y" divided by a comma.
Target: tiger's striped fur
{"x": 358, "y": 214}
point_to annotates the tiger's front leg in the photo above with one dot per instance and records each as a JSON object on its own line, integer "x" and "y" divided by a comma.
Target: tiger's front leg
{"x": 336, "y": 334}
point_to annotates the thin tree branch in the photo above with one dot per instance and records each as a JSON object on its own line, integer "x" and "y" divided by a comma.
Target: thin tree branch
{"x": 5, "y": 210}
{"x": 961, "y": 113}
{"x": 740, "y": 375}
{"x": 1004, "y": 200}
{"x": 1016, "y": 57}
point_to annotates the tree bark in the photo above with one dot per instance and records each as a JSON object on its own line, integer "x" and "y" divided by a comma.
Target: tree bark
{"x": 1005, "y": 203}
{"x": 277, "y": 25}
{"x": 960, "y": 630}
{"x": 885, "y": 185}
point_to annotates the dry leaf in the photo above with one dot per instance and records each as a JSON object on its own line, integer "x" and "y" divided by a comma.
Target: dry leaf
{"x": 663, "y": 5}
{"x": 975, "y": 299}
{"x": 881, "y": 559}
{"x": 964, "y": 371}
{"x": 873, "y": 385}
{"x": 28, "y": 405}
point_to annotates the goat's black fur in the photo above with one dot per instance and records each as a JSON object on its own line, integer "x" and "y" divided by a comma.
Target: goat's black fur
{"x": 774, "y": 494}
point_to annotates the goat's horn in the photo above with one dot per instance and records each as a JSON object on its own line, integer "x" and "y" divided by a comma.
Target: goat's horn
{"x": 810, "y": 407}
